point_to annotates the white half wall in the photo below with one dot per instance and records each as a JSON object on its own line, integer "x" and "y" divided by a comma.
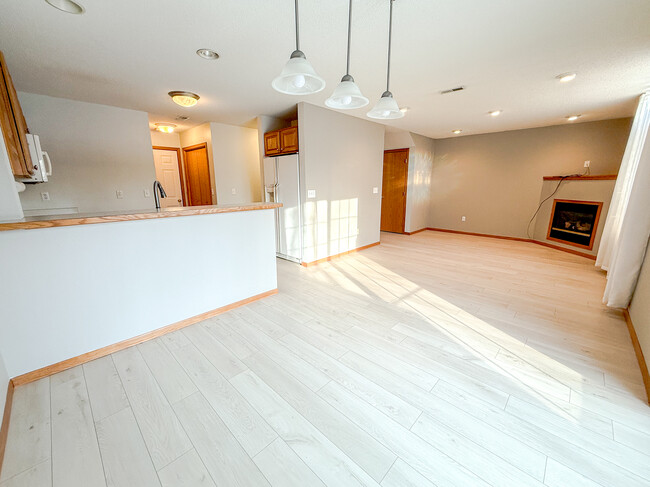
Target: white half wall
{"x": 341, "y": 159}
{"x": 236, "y": 157}
{"x": 96, "y": 150}
{"x": 104, "y": 283}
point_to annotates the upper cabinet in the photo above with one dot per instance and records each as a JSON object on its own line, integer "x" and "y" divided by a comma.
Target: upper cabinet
{"x": 283, "y": 141}
{"x": 14, "y": 127}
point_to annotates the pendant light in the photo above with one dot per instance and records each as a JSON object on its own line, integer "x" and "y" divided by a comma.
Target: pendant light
{"x": 298, "y": 77}
{"x": 387, "y": 108}
{"x": 347, "y": 94}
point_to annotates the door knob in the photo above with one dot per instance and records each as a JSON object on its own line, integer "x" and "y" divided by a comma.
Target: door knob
{"x": 179, "y": 200}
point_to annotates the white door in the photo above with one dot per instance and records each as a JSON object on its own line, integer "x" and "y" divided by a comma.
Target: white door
{"x": 166, "y": 162}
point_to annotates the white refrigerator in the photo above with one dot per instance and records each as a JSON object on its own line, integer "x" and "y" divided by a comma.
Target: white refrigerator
{"x": 282, "y": 185}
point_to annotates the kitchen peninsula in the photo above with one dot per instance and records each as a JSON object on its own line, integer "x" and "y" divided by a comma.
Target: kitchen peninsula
{"x": 77, "y": 287}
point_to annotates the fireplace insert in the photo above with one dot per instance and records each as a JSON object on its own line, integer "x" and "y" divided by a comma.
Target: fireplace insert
{"x": 574, "y": 222}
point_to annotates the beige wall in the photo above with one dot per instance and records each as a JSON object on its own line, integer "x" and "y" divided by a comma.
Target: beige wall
{"x": 199, "y": 135}
{"x": 95, "y": 150}
{"x": 640, "y": 307}
{"x": 341, "y": 158}
{"x": 418, "y": 194}
{"x": 495, "y": 179}
{"x": 165, "y": 140}
{"x": 236, "y": 163}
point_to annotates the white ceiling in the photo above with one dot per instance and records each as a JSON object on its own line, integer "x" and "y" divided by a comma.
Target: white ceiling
{"x": 130, "y": 53}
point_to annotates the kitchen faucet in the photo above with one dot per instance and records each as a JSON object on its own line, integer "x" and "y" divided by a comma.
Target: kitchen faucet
{"x": 158, "y": 192}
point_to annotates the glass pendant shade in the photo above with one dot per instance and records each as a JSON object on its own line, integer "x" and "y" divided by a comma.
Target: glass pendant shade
{"x": 298, "y": 77}
{"x": 347, "y": 95}
{"x": 386, "y": 108}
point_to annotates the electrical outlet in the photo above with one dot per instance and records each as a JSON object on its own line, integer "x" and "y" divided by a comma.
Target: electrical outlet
{"x": 462, "y": 218}
{"x": 233, "y": 191}
{"x": 119, "y": 194}
{"x": 45, "y": 196}
{"x": 375, "y": 190}
{"x": 587, "y": 163}
{"x": 311, "y": 193}
{"x": 147, "y": 193}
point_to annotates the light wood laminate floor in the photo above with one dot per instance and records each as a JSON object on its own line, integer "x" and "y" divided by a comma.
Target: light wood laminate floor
{"x": 435, "y": 359}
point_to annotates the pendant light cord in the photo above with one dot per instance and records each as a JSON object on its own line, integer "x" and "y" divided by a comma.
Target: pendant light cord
{"x": 297, "y": 30}
{"x": 390, "y": 38}
{"x": 347, "y": 67}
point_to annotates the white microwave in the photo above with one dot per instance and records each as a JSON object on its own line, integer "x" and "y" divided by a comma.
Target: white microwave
{"x": 40, "y": 160}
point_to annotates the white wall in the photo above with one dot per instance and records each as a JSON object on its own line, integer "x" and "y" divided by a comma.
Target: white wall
{"x": 640, "y": 307}
{"x": 10, "y": 208}
{"x": 165, "y": 140}
{"x": 108, "y": 282}
{"x": 235, "y": 153}
{"x": 95, "y": 150}
{"x": 4, "y": 382}
{"x": 199, "y": 135}
{"x": 341, "y": 158}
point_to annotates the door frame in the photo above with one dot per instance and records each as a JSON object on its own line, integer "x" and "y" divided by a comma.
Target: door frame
{"x": 181, "y": 168}
{"x": 202, "y": 145}
{"x": 406, "y": 182}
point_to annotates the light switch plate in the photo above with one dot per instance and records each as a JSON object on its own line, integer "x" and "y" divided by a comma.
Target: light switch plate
{"x": 45, "y": 196}
{"x": 119, "y": 194}
{"x": 375, "y": 190}
{"x": 311, "y": 193}
{"x": 462, "y": 218}
{"x": 233, "y": 191}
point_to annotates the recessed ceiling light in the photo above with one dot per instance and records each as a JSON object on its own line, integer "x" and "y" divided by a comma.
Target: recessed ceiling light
{"x": 404, "y": 109}
{"x": 184, "y": 98}
{"x": 573, "y": 118}
{"x": 495, "y": 113}
{"x": 457, "y": 131}
{"x": 566, "y": 77}
{"x": 167, "y": 128}
{"x": 208, "y": 54}
{"x": 67, "y": 6}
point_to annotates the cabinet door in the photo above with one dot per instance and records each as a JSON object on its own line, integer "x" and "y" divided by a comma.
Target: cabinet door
{"x": 289, "y": 140}
{"x": 272, "y": 143}
{"x": 14, "y": 127}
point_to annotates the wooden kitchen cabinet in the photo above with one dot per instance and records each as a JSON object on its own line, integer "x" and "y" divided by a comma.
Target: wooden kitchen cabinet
{"x": 13, "y": 125}
{"x": 283, "y": 141}
{"x": 272, "y": 143}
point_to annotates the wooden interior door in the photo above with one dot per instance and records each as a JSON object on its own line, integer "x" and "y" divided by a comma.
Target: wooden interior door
{"x": 197, "y": 175}
{"x": 393, "y": 192}
{"x": 169, "y": 174}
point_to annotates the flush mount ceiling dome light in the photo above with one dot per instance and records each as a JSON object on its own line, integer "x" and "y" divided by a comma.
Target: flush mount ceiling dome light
{"x": 566, "y": 77}
{"x": 67, "y": 6}
{"x": 184, "y": 98}
{"x": 387, "y": 108}
{"x": 166, "y": 128}
{"x": 347, "y": 94}
{"x": 298, "y": 77}
{"x": 208, "y": 54}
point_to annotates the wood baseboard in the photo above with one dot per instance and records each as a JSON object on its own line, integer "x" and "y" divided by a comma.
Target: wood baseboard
{"x": 564, "y": 249}
{"x": 4, "y": 429}
{"x": 95, "y": 354}
{"x": 336, "y": 256}
{"x": 417, "y": 231}
{"x": 639, "y": 353}
{"x": 518, "y": 239}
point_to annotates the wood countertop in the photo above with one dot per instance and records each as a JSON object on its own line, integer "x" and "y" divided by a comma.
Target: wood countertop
{"x": 30, "y": 223}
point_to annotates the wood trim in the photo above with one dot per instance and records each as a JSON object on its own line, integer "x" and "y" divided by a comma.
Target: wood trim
{"x": 639, "y": 353}
{"x": 101, "y": 352}
{"x": 336, "y": 256}
{"x": 417, "y": 231}
{"x": 4, "y": 429}
{"x": 181, "y": 168}
{"x": 563, "y": 249}
{"x": 518, "y": 239}
{"x": 602, "y": 177}
{"x": 593, "y": 233}
{"x": 504, "y": 237}
{"x": 31, "y": 223}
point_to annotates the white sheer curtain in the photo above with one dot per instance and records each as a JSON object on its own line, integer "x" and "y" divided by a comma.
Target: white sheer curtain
{"x": 626, "y": 232}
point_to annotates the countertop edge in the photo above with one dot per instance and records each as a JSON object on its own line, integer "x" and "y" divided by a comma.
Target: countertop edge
{"x": 59, "y": 221}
